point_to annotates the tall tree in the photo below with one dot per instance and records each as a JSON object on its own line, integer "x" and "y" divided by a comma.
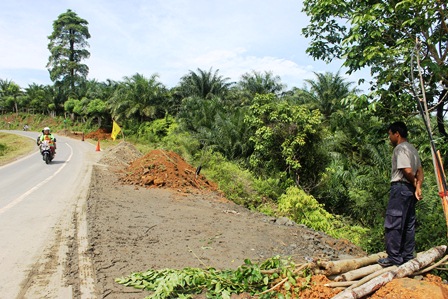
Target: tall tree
{"x": 67, "y": 46}
{"x": 385, "y": 36}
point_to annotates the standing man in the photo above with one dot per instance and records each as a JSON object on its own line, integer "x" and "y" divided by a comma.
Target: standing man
{"x": 405, "y": 191}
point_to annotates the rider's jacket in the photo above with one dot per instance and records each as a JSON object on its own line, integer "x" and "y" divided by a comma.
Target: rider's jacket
{"x": 49, "y": 138}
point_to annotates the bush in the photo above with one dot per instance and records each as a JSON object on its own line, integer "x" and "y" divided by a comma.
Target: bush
{"x": 3, "y": 149}
{"x": 271, "y": 187}
{"x": 156, "y": 130}
{"x": 431, "y": 224}
{"x": 235, "y": 182}
{"x": 304, "y": 209}
{"x": 372, "y": 241}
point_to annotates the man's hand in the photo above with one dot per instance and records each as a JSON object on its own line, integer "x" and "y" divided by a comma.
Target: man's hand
{"x": 418, "y": 181}
{"x": 418, "y": 193}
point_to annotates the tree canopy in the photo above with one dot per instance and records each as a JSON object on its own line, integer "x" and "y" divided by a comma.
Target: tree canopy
{"x": 67, "y": 47}
{"x": 384, "y": 36}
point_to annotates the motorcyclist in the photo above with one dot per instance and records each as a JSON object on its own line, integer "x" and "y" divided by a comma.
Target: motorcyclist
{"x": 46, "y": 135}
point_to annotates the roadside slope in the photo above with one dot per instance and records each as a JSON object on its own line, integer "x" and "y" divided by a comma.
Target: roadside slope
{"x": 138, "y": 226}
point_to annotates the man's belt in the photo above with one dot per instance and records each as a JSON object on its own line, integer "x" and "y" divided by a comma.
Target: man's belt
{"x": 401, "y": 183}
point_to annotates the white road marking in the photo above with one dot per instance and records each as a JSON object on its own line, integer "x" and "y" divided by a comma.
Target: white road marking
{"x": 23, "y": 196}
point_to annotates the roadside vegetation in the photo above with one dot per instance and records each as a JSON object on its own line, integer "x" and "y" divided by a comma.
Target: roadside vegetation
{"x": 318, "y": 154}
{"x": 13, "y": 147}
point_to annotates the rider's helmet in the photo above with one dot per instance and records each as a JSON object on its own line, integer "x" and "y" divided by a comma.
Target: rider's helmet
{"x": 46, "y": 129}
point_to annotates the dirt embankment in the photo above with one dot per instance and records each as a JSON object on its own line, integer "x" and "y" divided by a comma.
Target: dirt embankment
{"x": 153, "y": 212}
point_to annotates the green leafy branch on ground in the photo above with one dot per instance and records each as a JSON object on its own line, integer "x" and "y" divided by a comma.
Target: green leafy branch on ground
{"x": 250, "y": 278}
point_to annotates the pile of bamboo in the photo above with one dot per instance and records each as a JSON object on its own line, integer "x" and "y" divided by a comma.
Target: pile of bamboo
{"x": 363, "y": 276}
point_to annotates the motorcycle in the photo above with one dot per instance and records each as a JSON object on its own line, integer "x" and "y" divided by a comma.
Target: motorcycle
{"x": 46, "y": 151}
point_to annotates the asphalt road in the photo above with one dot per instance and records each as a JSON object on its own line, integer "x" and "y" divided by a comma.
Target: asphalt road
{"x": 41, "y": 210}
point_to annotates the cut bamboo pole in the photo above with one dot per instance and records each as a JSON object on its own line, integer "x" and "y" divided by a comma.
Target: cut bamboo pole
{"x": 342, "y": 266}
{"x": 433, "y": 266}
{"x": 358, "y": 273}
{"x": 406, "y": 269}
{"x": 421, "y": 262}
{"x": 372, "y": 276}
{"x": 338, "y": 284}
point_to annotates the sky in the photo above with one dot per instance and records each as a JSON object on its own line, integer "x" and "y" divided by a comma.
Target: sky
{"x": 169, "y": 38}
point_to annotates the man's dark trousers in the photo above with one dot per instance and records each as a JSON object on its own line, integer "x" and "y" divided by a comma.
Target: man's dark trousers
{"x": 400, "y": 223}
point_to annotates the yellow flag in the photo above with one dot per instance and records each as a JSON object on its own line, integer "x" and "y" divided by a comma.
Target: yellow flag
{"x": 115, "y": 130}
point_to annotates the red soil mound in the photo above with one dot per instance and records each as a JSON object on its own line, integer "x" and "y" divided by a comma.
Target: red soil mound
{"x": 166, "y": 169}
{"x": 100, "y": 134}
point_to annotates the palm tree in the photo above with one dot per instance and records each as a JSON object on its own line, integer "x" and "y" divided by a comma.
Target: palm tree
{"x": 94, "y": 89}
{"x": 231, "y": 134}
{"x": 139, "y": 97}
{"x": 260, "y": 83}
{"x": 219, "y": 128}
{"x": 197, "y": 115}
{"x": 203, "y": 84}
{"x": 11, "y": 93}
{"x": 39, "y": 97}
{"x": 326, "y": 93}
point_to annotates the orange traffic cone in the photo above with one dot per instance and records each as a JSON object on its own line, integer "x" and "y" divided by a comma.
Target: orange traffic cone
{"x": 98, "y": 146}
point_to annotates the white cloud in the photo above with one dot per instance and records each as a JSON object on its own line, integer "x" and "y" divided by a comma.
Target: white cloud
{"x": 165, "y": 37}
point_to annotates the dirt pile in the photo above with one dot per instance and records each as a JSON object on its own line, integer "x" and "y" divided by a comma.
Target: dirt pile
{"x": 406, "y": 288}
{"x": 317, "y": 289}
{"x": 121, "y": 155}
{"x": 160, "y": 168}
{"x": 100, "y": 134}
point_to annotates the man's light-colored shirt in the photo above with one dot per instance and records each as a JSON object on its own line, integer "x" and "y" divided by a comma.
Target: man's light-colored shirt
{"x": 405, "y": 155}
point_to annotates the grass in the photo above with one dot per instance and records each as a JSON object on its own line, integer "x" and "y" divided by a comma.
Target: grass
{"x": 13, "y": 147}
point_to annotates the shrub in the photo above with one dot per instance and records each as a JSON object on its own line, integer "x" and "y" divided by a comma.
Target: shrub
{"x": 3, "y": 149}
{"x": 156, "y": 130}
{"x": 304, "y": 209}
{"x": 235, "y": 182}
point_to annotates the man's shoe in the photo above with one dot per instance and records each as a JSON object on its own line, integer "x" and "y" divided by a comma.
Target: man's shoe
{"x": 385, "y": 262}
